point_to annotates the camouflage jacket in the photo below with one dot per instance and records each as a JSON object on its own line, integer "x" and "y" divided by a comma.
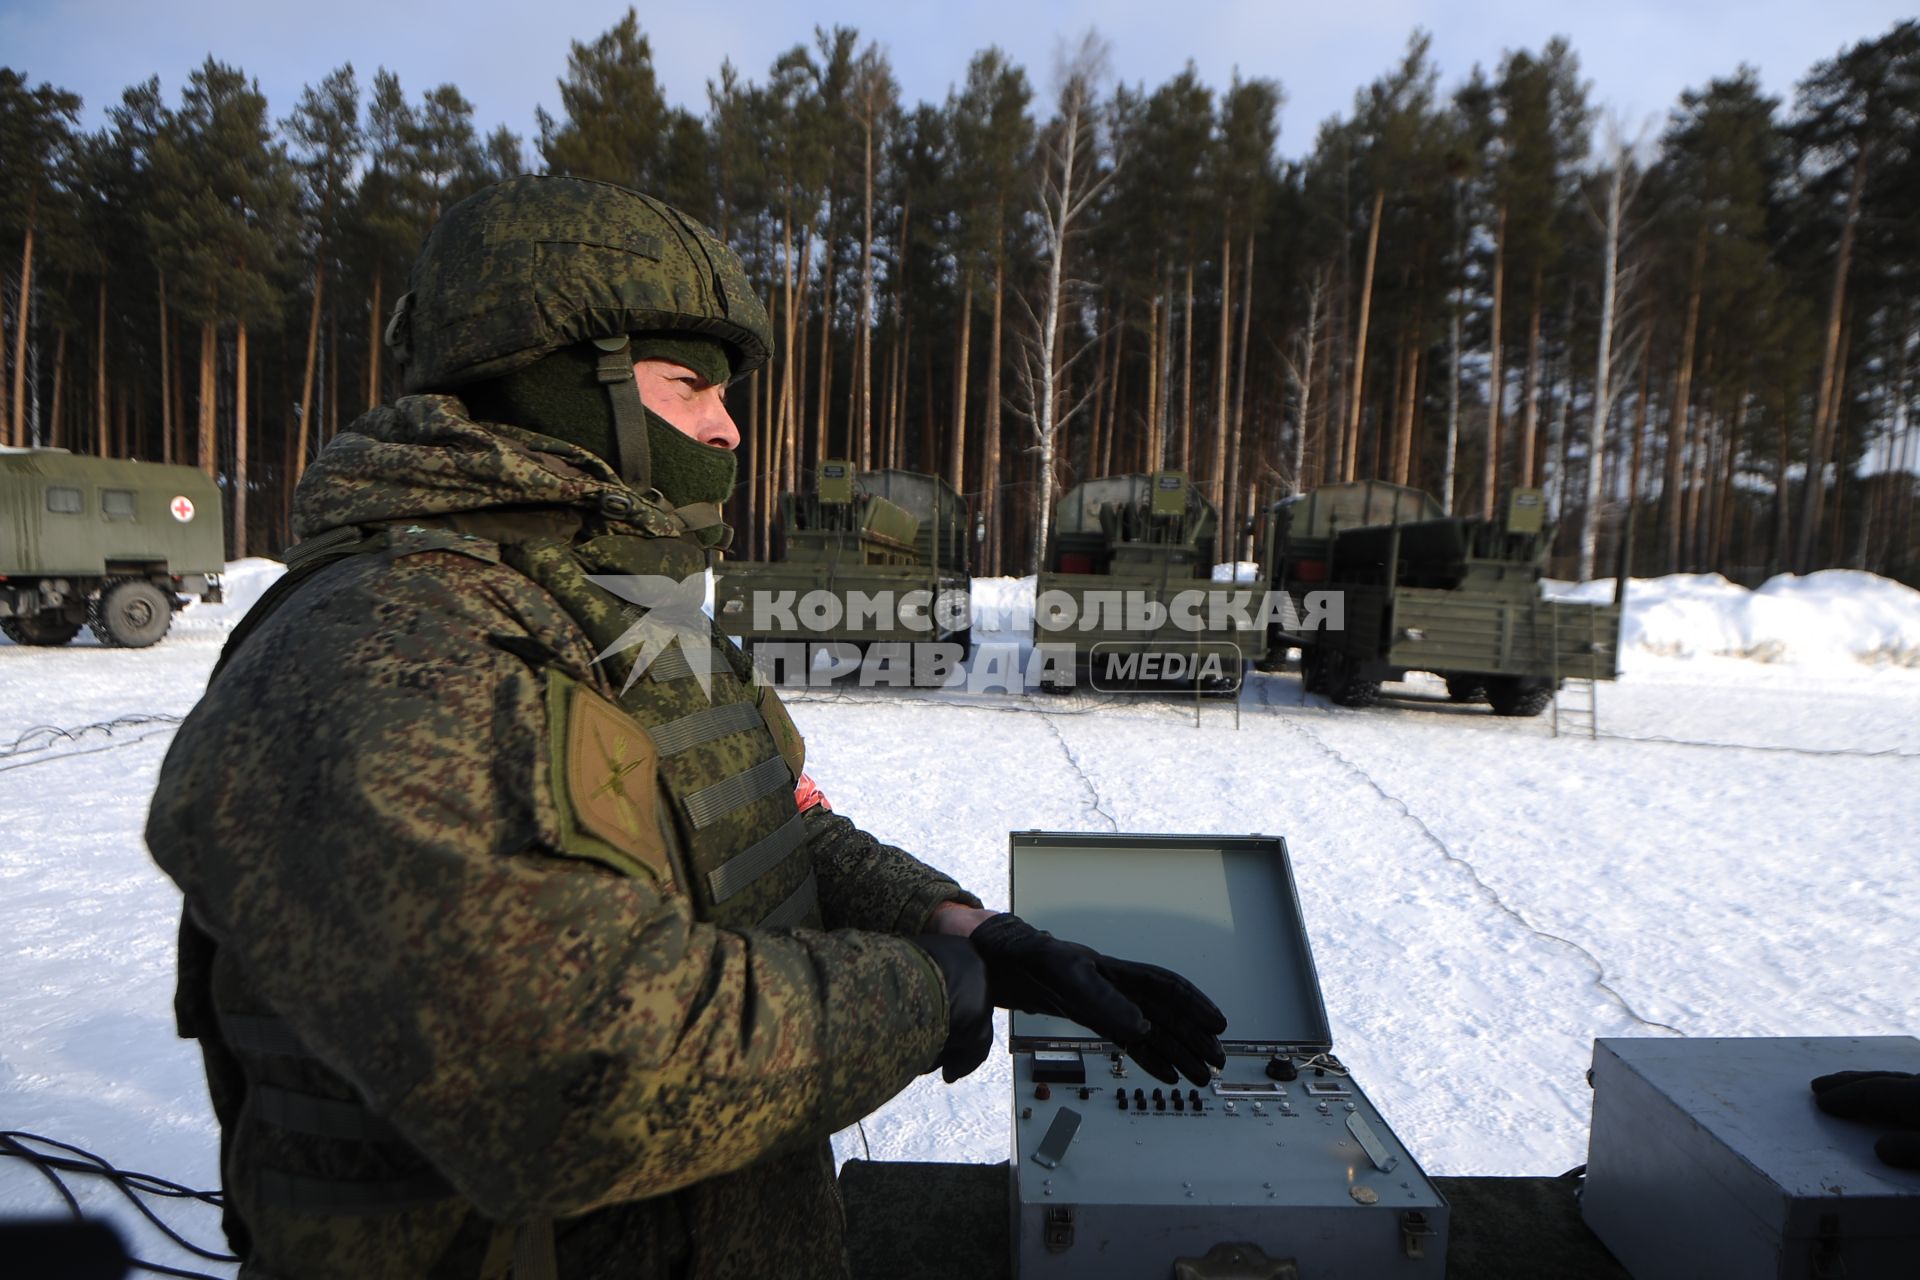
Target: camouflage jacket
{"x": 401, "y": 980}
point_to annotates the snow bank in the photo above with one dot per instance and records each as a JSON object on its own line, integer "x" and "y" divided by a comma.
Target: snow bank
{"x": 1834, "y": 616}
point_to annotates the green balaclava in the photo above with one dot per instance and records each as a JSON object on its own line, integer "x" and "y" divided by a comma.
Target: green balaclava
{"x": 561, "y": 395}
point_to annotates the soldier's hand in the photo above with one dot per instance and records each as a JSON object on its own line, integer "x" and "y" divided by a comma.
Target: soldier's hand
{"x": 1162, "y": 1021}
{"x": 969, "y": 1010}
{"x": 1887, "y": 1098}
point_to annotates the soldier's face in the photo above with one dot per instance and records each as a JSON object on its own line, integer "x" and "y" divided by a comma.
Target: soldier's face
{"x": 696, "y": 407}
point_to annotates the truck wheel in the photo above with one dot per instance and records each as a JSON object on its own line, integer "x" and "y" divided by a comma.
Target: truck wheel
{"x": 130, "y": 614}
{"x": 39, "y": 629}
{"x": 1512, "y": 696}
{"x": 1466, "y": 688}
{"x": 1348, "y": 689}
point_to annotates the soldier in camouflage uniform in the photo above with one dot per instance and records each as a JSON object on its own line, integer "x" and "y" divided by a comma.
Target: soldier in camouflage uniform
{"x": 508, "y": 958}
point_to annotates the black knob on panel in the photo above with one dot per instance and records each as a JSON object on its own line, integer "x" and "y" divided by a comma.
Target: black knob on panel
{"x": 1193, "y": 1098}
{"x": 1140, "y": 1099}
{"x": 1042, "y": 1092}
{"x": 1280, "y": 1067}
{"x": 1179, "y": 1103}
{"x": 1085, "y": 1093}
{"x": 1120, "y": 1096}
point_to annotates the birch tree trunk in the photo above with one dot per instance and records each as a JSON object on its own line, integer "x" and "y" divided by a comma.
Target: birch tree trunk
{"x": 1603, "y": 364}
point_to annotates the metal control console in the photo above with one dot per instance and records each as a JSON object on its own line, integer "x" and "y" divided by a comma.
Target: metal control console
{"x": 1280, "y": 1158}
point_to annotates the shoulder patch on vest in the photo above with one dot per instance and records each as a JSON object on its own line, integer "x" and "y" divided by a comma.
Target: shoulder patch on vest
{"x": 604, "y": 782}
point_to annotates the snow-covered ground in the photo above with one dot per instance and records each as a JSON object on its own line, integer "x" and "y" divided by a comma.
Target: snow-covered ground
{"x": 1734, "y": 855}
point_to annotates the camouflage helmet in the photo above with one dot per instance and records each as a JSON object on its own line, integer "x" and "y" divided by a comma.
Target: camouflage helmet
{"x": 534, "y": 264}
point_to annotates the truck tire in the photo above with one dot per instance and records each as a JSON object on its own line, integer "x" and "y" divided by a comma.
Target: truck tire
{"x": 1466, "y": 688}
{"x": 1511, "y": 696}
{"x": 39, "y": 629}
{"x": 1347, "y": 688}
{"x": 130, "y": 614}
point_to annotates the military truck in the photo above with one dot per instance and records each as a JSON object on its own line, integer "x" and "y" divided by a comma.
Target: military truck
{"x": 111, "y": 544}
{"x": 867, "y": 558}
{"x": 1126, "y": 593}
{"x": 1420, "y": 590}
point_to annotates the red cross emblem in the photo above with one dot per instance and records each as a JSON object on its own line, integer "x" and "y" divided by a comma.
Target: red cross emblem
{"x": 182, "y": 509}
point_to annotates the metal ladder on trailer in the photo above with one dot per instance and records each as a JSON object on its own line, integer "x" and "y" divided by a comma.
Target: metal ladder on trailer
{"x": 1576, "y": 701}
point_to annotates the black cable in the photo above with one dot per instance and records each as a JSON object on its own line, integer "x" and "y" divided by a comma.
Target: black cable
{"x": 130, "y": 1184}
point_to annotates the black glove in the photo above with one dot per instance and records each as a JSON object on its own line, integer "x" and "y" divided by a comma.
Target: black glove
{"x": 1890, "y": 1099}
{"x": 969, "y": 1011}
{"x": 1161, "y": 1020}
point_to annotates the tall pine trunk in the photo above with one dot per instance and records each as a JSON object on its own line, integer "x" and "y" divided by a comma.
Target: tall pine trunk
{"x": 957, "y": 452}
{"x": 16, "y": 434}
{"x": 1216, "y": 483}
{"x": 100, "y": 367}
{"x": 301, "y": 440}
{"x": 1821, "y": 447}
{"x": 1530, "y": 394}
{"x": 1240, "y": 376}
{"x": 1679, "y": 413}
{"x": 373, "y": 346}
{"x": 1357, "y": 396}
{"x": 208, "y": 458}
{"x": 995, "y": 516}
{"x": 166, "y": 375}
{"x": 1186, "y": 377}
{"x": 1496, "y": 385}
{"x": 54, "y": 433}
{"x": 240, "y": 443}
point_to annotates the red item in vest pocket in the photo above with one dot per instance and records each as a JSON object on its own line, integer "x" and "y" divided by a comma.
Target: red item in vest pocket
{"x": 806, "y": 795}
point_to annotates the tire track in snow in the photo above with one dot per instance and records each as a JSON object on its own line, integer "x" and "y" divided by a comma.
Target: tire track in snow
{"x": 1093, "y": 792}
{"x": 1600, "y": 976}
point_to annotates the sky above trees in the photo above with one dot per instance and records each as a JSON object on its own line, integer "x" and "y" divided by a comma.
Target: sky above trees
{"x": 1639, "y": 54}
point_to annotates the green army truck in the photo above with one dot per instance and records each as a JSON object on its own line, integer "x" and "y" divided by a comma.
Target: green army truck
{"x": 1126, "y": 595}
{"x": 1418, "y": 590}
{"x": 111, "y": 544}
{"x": 868, "y": 558}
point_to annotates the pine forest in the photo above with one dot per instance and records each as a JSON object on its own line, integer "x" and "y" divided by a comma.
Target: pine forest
{"x": 1704, "y": 328}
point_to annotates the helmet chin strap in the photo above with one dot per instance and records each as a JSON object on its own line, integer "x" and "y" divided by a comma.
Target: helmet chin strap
{"x": 614, "y": 370}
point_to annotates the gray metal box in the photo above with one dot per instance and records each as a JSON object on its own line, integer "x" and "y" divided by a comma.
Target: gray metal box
{"x": 1303, "y": 1170}
{"x": 1708, "y": 1158}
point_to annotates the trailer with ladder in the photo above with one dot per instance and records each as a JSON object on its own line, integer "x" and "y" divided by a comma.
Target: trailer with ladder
{"x": 1380, "y": 581}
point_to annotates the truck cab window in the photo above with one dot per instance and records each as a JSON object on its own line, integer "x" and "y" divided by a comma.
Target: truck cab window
{"x": 64, "y": 501}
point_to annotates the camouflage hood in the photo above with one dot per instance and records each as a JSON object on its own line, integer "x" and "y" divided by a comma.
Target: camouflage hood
{"x": 423, "y": 456}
